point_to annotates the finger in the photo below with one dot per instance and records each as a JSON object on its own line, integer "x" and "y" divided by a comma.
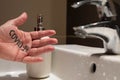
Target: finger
{"x": 30, "y": 59}
{"x": 43, "y": 42}
{"x": 39, "y": 34}
{"x": 38, "y": 51}
{"x": 20, "y": 20}
{"x": 20, "y": 55}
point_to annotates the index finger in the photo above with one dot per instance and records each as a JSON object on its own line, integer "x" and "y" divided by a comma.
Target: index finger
{"x": 39, "y": 34}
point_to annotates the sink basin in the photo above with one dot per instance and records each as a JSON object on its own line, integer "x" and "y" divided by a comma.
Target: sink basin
{"x": 70, "y": 62}
{"x": 75, "y": 62}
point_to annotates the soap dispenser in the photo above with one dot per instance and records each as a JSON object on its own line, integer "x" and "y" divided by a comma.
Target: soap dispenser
{"x": 40, "y": 70}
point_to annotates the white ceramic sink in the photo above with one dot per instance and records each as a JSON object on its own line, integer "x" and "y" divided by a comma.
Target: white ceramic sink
{"x": 74, "y": 62}
{"x": 70, "y": 62}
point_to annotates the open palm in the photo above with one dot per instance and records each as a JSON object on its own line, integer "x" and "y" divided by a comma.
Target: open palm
{"x": 18, "y": 45}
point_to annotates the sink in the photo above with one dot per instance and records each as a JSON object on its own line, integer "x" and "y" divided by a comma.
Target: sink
{"x": 76, "y": 62}
{"x": 70, "y": 62}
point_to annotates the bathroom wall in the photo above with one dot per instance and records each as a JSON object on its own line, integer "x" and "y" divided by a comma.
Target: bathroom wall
{"x": 117, "y": 7}
{"x": 54, "y": 12}
{"x": 117, "y": 1}
{"x": 59, "y": 19}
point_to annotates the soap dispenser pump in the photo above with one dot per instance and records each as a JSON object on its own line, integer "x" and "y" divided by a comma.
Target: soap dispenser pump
{"x": 40, "y": 70}
{"x": 39, "y": 26}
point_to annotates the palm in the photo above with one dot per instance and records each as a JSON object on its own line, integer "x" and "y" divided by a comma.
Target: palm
{"x": 18, "y": 45}
{"x": 13, "y": 40}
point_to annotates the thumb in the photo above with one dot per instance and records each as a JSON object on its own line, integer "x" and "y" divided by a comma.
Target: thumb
{"x": 20, "y": 20}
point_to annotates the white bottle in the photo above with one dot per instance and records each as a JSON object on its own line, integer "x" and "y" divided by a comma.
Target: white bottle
{"x": 40, "y": 69}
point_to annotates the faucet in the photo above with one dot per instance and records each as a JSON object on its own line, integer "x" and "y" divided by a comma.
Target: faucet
{"x": 104, "y": 30}
{"x": 110, "y": 36}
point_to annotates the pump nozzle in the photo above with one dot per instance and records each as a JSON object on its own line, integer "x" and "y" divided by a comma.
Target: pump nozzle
{"x": 39, "y": 23}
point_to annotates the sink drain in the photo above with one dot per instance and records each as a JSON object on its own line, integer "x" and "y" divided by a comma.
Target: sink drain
{"x": 93, "y": 68}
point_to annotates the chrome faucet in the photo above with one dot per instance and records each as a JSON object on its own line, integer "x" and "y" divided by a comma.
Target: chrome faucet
{"x": 109, "y": 36}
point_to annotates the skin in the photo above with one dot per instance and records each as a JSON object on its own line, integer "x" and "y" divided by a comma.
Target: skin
{"x": 21, "y": 46}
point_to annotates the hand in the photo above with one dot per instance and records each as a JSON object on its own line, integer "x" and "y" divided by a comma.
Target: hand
{"x": 17, "y": 45}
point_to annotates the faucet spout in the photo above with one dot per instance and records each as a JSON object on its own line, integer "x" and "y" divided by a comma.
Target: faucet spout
{"x": 80, "y": 30}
